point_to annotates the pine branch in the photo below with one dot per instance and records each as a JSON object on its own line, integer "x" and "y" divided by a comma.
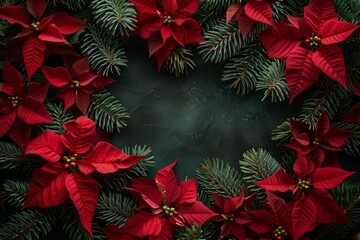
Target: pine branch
{"x": 352, "y": 145}
{"x": 179, "y": 62}
{"x": 74, "y": 5}
{"x": 114, "y": 15}
{"x": 114, "y": 208}
{"x": 12, "y": 160}
{"x": 207, "y": 18}
{"x": 255, "y": 166}
{"x": 14, "y": 192}
{"x": 242, "y": 71}
{"x": 216, "y": 176}
{"x": 218, "y": 5}
{"x": 33, "y": 223}
{"x": 348, "y": 10}
{"x": 282, "y": 133}
{"x": 295, "y": 7}
{"x": 195, "y": 232}
{"x": 58, "y": 115}
{"x": 104, "y": 51}
{"x": 272, "y": 80}
{"x": 326, "y": 98}
{"x": 224, "y": 40}
{"x": 107, "y": 111}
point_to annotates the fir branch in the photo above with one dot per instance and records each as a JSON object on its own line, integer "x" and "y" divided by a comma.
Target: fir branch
{"x": 282, "y": 133}
{"x": 14, "y": 192}
{"x": 348, "y": 10}
{"x": 272, "y": 80}
{"x": 218, "y": 5}
{"x": 295, "y": 7}
{"x": 104, "y": 51}
{"x": 114, "y": 15}
{"x": 224, "y": 40}
{"x": 107, "y": 111}
{"x": 58, "y": 115}
{"x": 33, "y": 223}
{"x": 12, "y": 159}
{"x": 243, "y": 69}
{"x": 256, "y": 166}
{"x": 326, "y": 98}
{"x": 196, "y": 232}
{"x": 179, "y": 61}
{"x": 74, "y": 5}
{"x": 207, "y": 19}
{"x": 115, "y": 208}
{"x": 352, "y": 145}
{"x": 216, "y": 176}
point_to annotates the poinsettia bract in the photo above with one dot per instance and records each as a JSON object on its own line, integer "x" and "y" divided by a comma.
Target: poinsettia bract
{"x": 70, "y": 159}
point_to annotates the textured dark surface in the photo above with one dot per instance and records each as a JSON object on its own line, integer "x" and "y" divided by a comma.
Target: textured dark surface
{"x": 193, "y": 117}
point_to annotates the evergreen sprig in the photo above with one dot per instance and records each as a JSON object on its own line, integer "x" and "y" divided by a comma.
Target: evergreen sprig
{"x": 207, "y": 19}
{"x": 114, "y": 15}
{"x": 216, "y": 5}
{"x": 272, "y": 80}
{"x": 141, "y": 168}
{"x": 103, "y": 50}
{"x": 282, "y": 133}
{"x": 257, "y": 165}
{"x": 30, "y": 224}
{"x": 352, "y": 145}
{"x": 114, "y": 208}
{"x": 196, "y": 232}
{"x": 216, "y": 176}
{"x": 14, "y": 192}
{"x": 107, "y": 111}
{"x": 74, "y": 5}
{"x": 12, "y": 159}
{"x": 58, "y": 115}
{"x": 243, "y": 69}
{"x": 179, "y": 61}
{"x": 348, "y": 10}
{"x": 294, "y": 7}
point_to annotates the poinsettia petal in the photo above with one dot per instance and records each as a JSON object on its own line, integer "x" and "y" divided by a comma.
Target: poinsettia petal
{"x": 147, "y": 10}
{"x": 303, "y": 166}
{"x": 66, "y": 24}
{"x": 327, "y": 211}
{"x": 192, "y": 31}
{"x": 47, "y": 145}
{"x": 281, "y": 39}
{"x": 80, "y": 66}
{"x": 318, "y": 13}
{"x": 37, "y": 91}
{"x": 196, "y": 213}
{"x": 187, "y": 7}
{"x": 231, "y": 204}
{"x": 82, "y": 101}
{"x": 33, "y": 112}
{"x": 36, "y": 7}
{"x": 15, "y": 15}
{"x": 57, "y": 77}
{"x": 188, "y": 191}
{"x": 20, "y": 134}
{"x": 163, "y": 53}
{"x": 33, "y": 52}
{"x": 277, "y": 207}
{"x": 80, "y": 136}
{"x": 52, "y": 34}
{"x": 259, "y": 11}
{"x": 146, "y": 193}
{"x": 303, "y": 216}
{"x": 238, "y": 231}
{"x": 262, "y": 221}
{"x": 170, "y": 6}
{"x": 156, "y": 42}
{"x": 279, "y": 181}
{"x": 13, "y": 81}
{"x": 146, "y": 29}
{"x": 47, "y": 187}
{"x": 106, "y": 158}
{"x": 143, "y": 225}
{"x": 322, "y": 126}
{"x": 337, "y": 136}
{"x": 69, "y": 96}
{"x": 233, "y": 11}
{"x": 245, "y": 24}
{"x": 335, "y": 31}
{"x": 301, "y": 71}
{"x": 84, "y": 192}
{"x": 102, "y": 82}
{"x": 219, "y": 200}
{"x": 329, "y": 177}
{"x": 331, "y": 61}
{"x": 7, "y": 119}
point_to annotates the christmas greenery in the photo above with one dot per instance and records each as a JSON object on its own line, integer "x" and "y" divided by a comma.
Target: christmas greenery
{"x": 58, "y": 171}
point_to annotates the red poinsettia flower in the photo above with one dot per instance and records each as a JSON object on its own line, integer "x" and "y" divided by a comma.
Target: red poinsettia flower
{"x": 235, "y": 213}
{"x": 167, "y": 23}
{"x": 320, "y": 143}
{"x": 353, "y": 114}
{"x": 245, "y": 15}
{"x": 313, "y": 204}
{"x": 76, "y": 85}
{"x": 171, "y": 204}
{"x": 309, "y": 45}
{"x": 274, "y": 221}
{"x": 70, "y": 159}
{"x": 21, "y": 105}
{"x": 39, "y": 30}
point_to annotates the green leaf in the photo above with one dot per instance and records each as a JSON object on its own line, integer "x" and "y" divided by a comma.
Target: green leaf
{"x": 216, "y": 176}
{"x": 256, "y": 166}
{"x": 107, "y": 111}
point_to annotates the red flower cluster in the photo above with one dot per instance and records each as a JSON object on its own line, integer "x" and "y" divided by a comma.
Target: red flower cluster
{"x": 164, "y": 204}
{"x": 70, "y": 158}
{"x": 167, "y": 23}
{"x": 308, "y": 44}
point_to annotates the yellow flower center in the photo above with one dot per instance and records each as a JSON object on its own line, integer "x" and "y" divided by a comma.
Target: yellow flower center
{"x": 35, "y": 25}
{"x": 168, "y": 19}
{"x": 168, "y": 210}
